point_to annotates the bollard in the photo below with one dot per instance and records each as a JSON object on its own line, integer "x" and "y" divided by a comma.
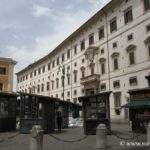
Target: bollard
{"x": 101, "y": 136}
{"x": 36, "y": 139}
{"x": 148, "y": 132}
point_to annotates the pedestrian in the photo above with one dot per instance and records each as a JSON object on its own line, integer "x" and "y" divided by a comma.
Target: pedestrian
{"x": 59, "y": 121}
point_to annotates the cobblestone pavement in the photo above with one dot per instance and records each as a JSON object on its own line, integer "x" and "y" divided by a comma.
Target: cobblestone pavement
{"x": 22, "y": 141}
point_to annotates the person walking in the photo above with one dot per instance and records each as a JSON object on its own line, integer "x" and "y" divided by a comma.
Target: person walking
{"x": 59, "y": 121}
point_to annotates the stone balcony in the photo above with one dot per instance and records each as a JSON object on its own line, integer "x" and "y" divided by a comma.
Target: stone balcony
{"x": 90, "y": 79}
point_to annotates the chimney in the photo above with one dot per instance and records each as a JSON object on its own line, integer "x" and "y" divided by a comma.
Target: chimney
{"x": 148, "y": 80}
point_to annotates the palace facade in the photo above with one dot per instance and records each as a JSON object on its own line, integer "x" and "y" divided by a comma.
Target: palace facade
{"x": 109, "y": 52}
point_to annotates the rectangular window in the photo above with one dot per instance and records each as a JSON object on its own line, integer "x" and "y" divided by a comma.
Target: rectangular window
{"x": 57, "y": 60}
{"x": 26, "y": 76}
{"x": 31, "y": 75}
{"x": 133, "y": 81}
{"x": 113, "y": 25}
{"x": 68, "y": 93}
{"x": 42, "y": 88}
{"x": 34, "y": 72}
{"x": 115, "y": 45}
{"x": 117, "y": 100}
{"x": 103, "y": 68}
{"x": 63, "y": 57}
{"x": 102, "y": 51}
{"x": 131, "y": 58}
{"x": 75, "y": 49}
{"x": 75, "y": 77}
{"x": 38, "y": 88}
{"x": 116, "y": 84}
{"x": 1, "y": 87}
{"x": 2, "y": 70}
{"x": 53, "y": 63}
{"x": 103, "y": 87}
{"x": 91, "y": 39}
{"x": 83, "y": 73}
{"x": 68, "y": 54}
{"x": 52, "y": 85}
{"x": 43, "y": 69}
{"x": 82, "y": 45}
{"x": 130, "y": 37}
{"x": 75, "y": 92}
{"x": 68, "y": 80}
{"x": 128, "y": 17}
{"x": 48, "y": 86}
{"x": 115, "y": 63}
{"x": 101, "y": 33}
{"x": 39, "y": 70}
{"x": 147, "y": 4}
{"x": 148, "y": 28}
{"x": 49, "y": 66}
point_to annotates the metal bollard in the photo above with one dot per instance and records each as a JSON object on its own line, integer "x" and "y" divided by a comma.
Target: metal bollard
{"x": 148, "y": 132}
{"x": 36, "y": 139}
{"x": 101, "y": 136}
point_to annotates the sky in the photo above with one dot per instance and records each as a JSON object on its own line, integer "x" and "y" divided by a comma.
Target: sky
{"x": 30, "y": 29}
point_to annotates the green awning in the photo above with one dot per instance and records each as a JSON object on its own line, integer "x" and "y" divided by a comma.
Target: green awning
{"x": 145, "y": 103}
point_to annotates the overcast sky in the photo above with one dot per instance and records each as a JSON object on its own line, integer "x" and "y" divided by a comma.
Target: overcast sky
{"x": 30, "y": 29}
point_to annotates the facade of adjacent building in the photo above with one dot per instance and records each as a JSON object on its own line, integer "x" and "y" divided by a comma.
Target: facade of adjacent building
{"x": 6, "y": 74}
{"x": 109, "y": 52}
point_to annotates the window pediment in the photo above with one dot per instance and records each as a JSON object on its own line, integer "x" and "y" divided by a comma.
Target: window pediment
{"x": 131, "y": 48}
{"x": 101, "y": 60}
{"x": 147, "y": 40}
{"x": 82, "y": 68}
{"x": 75, "y": 71}
{"x": 113, "y": 55}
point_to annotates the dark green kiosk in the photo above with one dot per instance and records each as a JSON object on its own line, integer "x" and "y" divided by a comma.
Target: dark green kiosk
{"x": 8, "y": 103}
{"x": 96, "y": 110}
{"x": 36, "y": 110}
{"x": 139, "y": 108}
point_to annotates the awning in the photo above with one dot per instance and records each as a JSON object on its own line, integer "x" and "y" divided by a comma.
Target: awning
{"x": 142, "y": 103}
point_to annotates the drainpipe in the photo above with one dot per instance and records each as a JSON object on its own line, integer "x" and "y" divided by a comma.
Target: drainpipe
{"x": 71, "y": 68}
